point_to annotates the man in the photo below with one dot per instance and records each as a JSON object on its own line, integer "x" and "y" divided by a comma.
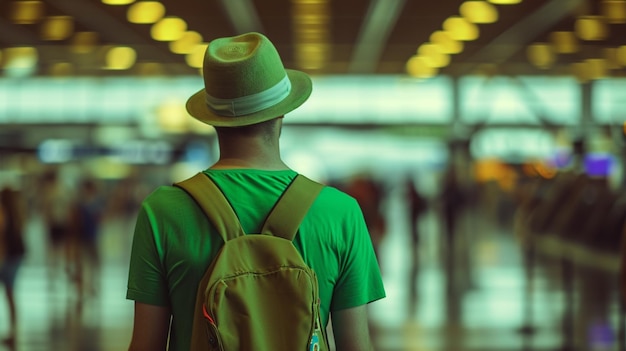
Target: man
{"x": 247, "y": 93}
{"x": 12, "y": 252}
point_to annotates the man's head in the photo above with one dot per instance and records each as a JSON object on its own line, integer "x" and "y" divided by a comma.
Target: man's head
{"x": 245, "y": 83}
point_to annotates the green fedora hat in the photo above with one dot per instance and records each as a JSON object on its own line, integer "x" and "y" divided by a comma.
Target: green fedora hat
{"x": 246, "y": 83}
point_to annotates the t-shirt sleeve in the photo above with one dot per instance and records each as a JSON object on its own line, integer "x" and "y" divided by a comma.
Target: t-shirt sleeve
{"x": 146, "y": 278}
{"x": 359, "y": 281}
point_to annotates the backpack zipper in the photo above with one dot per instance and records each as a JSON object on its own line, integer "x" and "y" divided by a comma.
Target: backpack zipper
{"x": 206, "y": 315}
{"x": 316, "y": 335}
{"x": 211, "y": 330}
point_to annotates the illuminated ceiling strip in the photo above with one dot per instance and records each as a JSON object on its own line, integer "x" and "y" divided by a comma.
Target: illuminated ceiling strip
{"x": 243, "y": 16}
{"x": 378, "y": 22}
{"x": 503, "y": 47}
{"x": 109, "y": 28}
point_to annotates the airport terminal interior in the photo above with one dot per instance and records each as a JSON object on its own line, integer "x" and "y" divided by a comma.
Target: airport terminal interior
{"x": 483, "y": 140}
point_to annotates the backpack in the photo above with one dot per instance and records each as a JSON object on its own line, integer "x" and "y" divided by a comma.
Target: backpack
{"x": 258, "y": 293}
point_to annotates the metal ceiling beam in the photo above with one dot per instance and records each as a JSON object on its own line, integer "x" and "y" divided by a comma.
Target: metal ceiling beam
{"x": 242, "y": 15}
{"x": 378, "y": 23}
{"x": 507, "y": 44}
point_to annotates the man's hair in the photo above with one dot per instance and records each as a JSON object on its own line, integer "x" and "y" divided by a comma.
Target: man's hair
{"x": 265, "y": 129}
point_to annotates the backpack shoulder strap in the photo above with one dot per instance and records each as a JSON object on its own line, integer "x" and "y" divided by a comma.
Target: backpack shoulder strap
{"x": 214, "y": 204}
{"x": 291, "y": 208}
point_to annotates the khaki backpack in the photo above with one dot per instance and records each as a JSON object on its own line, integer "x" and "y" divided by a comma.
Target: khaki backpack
{"x": 258, "y": 293}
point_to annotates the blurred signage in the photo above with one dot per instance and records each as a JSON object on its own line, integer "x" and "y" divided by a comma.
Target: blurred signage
{"x": 56, "y": 151}
{"x": 142, "y": 152}
{"x": 513, "y": 145}
{"x": 520, "y": 100}
{"x": 131, "y": 152}
{"x": 120, "y": 100}
{"x": 598, "y": 164}
{"x": 110, "y": 101}
{"x": 609, "y": 97}
{"x": 378, "y": 99}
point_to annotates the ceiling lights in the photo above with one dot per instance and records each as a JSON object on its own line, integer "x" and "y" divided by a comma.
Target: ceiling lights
{"x": 57, "y": 28}
{"x": 187, "y": 43}
{"x": 419, "y": 67}
{"x": 310, "y": 29}
{"x": 479, "y": 12}
{"x": 541, "y": 55}
{"x": 505, "y": 2}
{"x": 446, "y": 43}
{"x": 84, "y": 42}
{"x": 591, "y": 28}
{"x": 20, "y": 61}
{"x": 171, "y": 29}
{"x": 564, "y": 42}
{"x": 26, "y": 12}
{"x": 145, "y": 12}
{"x": 120, "y": 58}
{"x": 117, "y": 2}
{"x": 614, "y": 11}
{"x": 461, "y": 29}
{"x": 168, "y": 29}
{"x": 433, "y": 55}
{"x": 195, "y": 58}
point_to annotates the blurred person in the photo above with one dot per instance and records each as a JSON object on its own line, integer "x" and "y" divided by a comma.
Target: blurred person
{"x": 12, "y": 251}
{"x": 57, "y": 214}
{"x": 369, "y": 194}
{"x": 417, "y": 205}
{"x": 85, "y": 256}
{"x": 453, "y": 200}
{"x": 123, "y": 201}
{"x": 247, "y": 93}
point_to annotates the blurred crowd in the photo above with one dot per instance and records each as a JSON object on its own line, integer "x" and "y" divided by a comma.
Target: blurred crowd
{"x": 68, "y": 204}
{"x": 71, "y": 203}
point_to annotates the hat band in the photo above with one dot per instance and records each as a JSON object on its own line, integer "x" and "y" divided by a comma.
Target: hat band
{"x": 251, "y": 103}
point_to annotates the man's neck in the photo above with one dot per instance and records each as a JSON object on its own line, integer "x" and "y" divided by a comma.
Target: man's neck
{"x": 239, "y": 163}
{"x": 249, "y": 151}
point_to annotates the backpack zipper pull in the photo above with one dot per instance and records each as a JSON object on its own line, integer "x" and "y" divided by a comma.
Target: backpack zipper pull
{"x": 317, "y": 333}
{"x": 206, "y": 315}
{"x": 211, "y": 331}
{"x": 315, "y": 341}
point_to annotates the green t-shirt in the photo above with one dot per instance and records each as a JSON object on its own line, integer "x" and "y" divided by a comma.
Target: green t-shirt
{"x": 174, "y": 244}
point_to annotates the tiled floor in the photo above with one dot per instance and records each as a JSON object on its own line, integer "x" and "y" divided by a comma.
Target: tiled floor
{"x": 484, "y": 308}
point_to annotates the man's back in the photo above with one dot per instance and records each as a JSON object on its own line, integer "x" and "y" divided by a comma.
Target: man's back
{"x": 178, "y": 244}
{"x": 247, "y": 93}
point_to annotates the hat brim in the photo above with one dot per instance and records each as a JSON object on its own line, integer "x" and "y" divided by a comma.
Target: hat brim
{"x": 301, "y": 87}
